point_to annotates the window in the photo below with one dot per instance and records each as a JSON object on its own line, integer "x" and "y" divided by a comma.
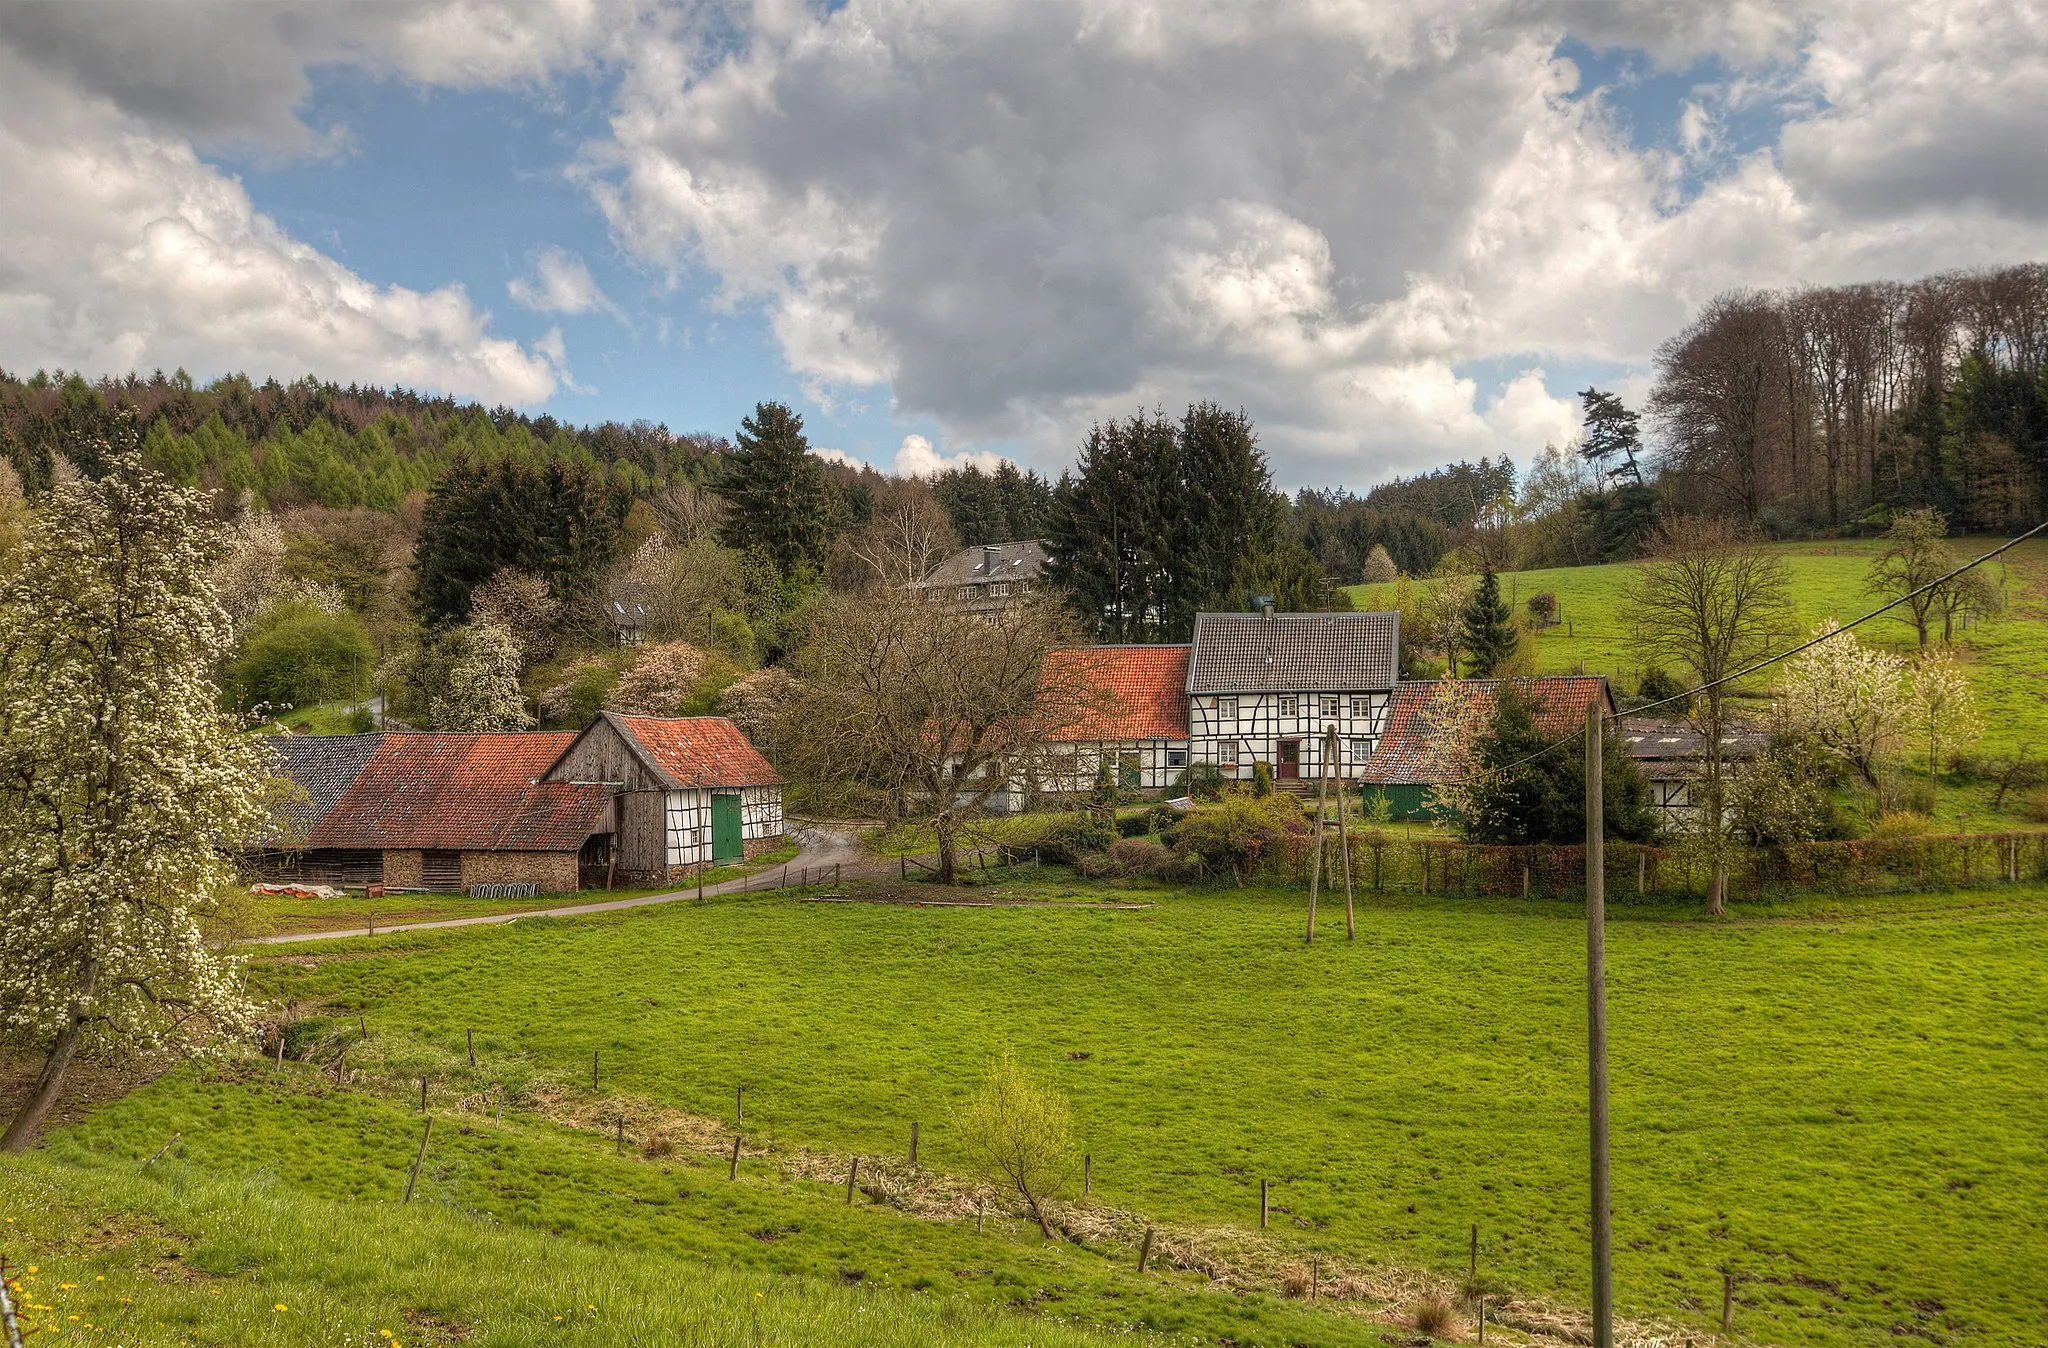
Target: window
{"x": 1290, "y": 706}
{"x": 999, "y": 588}
{"x": 1361, "y": 707}
{"x": 1329, "y": 706}
{"x": 1361, "y": 750}
{"x": 1226, "y": 753}
{"x": 1226, "y": 708}
{"x": 1176, "y": 758}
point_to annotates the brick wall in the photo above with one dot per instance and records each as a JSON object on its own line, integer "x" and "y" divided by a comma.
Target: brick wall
{"x": 554, "y": 872}
{"x": 402, "y": 870}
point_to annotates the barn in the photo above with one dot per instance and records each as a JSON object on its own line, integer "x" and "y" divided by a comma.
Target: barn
{"x": 1416, "y": 752}
{"x": 449, "y": 812}
{"x": 691, "y": 791}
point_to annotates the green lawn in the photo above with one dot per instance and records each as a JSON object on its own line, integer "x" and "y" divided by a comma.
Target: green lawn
{"x": 2008, "y": 658}
{"x": 1840, "y": 1100}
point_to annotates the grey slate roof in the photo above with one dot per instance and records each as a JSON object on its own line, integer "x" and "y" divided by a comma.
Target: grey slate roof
{"x": 1294, "y": 652}
{"x": 993, "y": 561}
{"x": 325, "y": 766}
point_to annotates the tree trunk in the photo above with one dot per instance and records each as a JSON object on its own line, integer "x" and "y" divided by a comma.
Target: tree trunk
{"x": 943, "y": 825}
{"x": 1037, "y": 1213}
{"x": 28, "y": 1120}
{"x": 1717, "y": 888}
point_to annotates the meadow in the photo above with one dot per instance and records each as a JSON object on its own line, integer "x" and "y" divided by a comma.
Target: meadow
{"x": 2008, "y": 658}
{"x": 1837, "y": 1100}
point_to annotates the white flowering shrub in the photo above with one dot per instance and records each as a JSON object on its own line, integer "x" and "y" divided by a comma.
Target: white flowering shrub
{"x": 119, "y": 779}
{"x": 482, "y": 692}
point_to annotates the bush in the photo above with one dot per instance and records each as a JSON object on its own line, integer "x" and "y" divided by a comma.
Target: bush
{"x": 1543, "y": 608}
{"x": 296, "y": 655}
{"x": 2034, "y": 807}
{"x": 580, "y": 691}
{"x": 1239, "y": 834}
{"x": 1076, "y": 836}
{"x": 1917, "y": 796}
{"x": 1202, "y": 781}
{"x": 1143, "y": 856}
{"x": 1899, "y": 824}
{"x": 1432, "y": 1315}
{"x": 1134, "y": 825}
{"x": 1162, "y": 818}
{"x": 1262, "y": 779}
{"x": 1658, "y": 684}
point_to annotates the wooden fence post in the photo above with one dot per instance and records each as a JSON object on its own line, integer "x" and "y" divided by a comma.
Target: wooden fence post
{"x": 423, "y": 1095}
{"x": 340, "y": 1061}
{"x": 1265, "y": 1203}
{"x": 739, "y": 1105}
{"x": 852, "y": 1174}
{"x": 1475, "y": 1252}
{"x": 1727, "y": 1300}
{"x": 1145, "y": 1250}
{"x": 620, "y": 1149}
{"x": 980, "y": 1211}
{"x": 735, "y": 1172}
{"x": 1087, "y": 1175}
{"x": 418, "y": 1161}
{"x": 593, "y": 1069}
{"x": 472, "y": 1050}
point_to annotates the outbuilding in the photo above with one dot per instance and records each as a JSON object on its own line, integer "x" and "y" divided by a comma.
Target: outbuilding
{"x": 1418, "y": 751}
{"x": 690, "y": 791}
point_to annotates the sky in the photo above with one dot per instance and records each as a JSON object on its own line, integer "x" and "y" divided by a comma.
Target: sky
{"x": 1395, "y": 233}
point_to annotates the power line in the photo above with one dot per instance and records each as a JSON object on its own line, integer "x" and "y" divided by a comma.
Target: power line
{"x": 1808, "y": 644}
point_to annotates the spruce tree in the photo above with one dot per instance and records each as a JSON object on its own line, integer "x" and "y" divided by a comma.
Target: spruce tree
{"x": 780, "y": 499}
{"x": 1490, "y": 635}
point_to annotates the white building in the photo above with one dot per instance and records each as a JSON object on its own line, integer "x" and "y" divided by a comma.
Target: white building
{"x": 1266, "y": 688}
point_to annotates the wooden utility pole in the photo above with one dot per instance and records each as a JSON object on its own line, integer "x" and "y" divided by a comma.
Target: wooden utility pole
{"x": 1315, "y": 863}
{"x": 1343, "y": 837}
{"x": 1596, "y": 1028}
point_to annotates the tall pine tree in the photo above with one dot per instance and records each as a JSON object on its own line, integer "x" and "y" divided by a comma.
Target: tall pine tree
{"x": 558, "y": 520}
{"x": 1221, "y": 511}
{"x": 780, "y": 497}
{"x": 1490, "y": 635}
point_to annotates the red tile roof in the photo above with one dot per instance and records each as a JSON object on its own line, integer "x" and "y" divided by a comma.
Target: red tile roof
{"x": 1414, "y": 747}
{"x": 1142, "y": 691}
{"x": 465, "y": 793}
{"x": 696, "y": 751}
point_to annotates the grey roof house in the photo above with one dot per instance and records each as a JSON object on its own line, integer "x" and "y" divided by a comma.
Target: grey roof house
{"x": 986, "y": 579}
{"x": 1270, "y": 687}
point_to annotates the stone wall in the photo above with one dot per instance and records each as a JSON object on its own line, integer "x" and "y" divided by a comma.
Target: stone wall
{"x": 402, "y": 871}
{"x": 754, "y": 847}
{"x": 554, "y": 872}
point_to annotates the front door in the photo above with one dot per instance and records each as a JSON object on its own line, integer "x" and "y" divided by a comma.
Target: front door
{"x": 726, "y": 844}
{"x": 1290, "y": 759}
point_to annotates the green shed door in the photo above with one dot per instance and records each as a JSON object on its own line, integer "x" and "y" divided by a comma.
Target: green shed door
{"x": 726, "y": 844}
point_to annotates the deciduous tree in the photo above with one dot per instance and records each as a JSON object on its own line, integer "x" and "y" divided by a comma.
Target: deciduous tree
{"x": 1850, "y": 698}
{"x": 1017, "y": 1136}
{"x": 119, "y": 781}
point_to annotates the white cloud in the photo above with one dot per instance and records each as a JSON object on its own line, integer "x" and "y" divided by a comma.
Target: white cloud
{"x": 1023, "y": 214}
{"x": 915, "y": 457}
{"x": 560, "y": 284}
{"x": 123, "y": 250}
{"x": 838, "y": 456}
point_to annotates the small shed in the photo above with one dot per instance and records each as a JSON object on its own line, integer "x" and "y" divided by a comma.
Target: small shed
{"x": 448, "y": 812}
{"x": 691, "y": 791}
{"x": 1416, "y": 753}
{"x": 1672, "y": 756}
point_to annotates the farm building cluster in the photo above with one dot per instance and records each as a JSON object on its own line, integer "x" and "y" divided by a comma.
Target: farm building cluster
{"x": 633, "y": 800}
{"x": 639, "y": 800}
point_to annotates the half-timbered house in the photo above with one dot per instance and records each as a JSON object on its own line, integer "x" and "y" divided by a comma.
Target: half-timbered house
{"x": 1269, "y": 687}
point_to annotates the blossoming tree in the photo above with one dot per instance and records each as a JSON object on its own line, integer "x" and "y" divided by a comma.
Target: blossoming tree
{"x": 119, "y": 779}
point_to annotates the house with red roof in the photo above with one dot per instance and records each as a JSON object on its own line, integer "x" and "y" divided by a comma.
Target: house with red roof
{"x": 687, "y": 792}
{"x": 1136, "y": 721}
{"x": 633, "y": 799}
{"x": 450, "y": 812}
{"x": 1420, "y": 750}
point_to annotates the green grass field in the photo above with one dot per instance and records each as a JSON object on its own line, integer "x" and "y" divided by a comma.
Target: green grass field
{"x": 2008, "y": 658}
{"x": 1840, "y": 1100}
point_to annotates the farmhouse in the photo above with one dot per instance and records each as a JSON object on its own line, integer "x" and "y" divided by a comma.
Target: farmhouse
{"x": 688, "y": 791}
{"x": 449, "y": 812}
{"x": 1139, "y": 724}
{"x": 1266, "y": 688}
{"x": 985, "y": 580}
{"x": 323, "y": 767}
{"x": 1419, "y": 751}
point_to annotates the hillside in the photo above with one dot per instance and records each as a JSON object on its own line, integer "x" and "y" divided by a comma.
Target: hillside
{"x": 2008, "y": 659}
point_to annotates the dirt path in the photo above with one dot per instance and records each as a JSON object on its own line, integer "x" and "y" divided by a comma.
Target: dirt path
{"x": 820, "y": 850}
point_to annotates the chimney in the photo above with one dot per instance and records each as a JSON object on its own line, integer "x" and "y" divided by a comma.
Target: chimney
{"x": 988, "y": 559}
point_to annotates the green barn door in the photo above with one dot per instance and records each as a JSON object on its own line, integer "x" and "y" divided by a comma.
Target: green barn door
{"x": 725, "y": 829}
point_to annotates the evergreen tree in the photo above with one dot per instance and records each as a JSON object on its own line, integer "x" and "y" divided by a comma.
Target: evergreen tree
{"x": 1516, "y": 798}
{"x": 557, "y": 520}
{"x": 1220, "y": 511}
{"x": 1490, "y": 637}
{"x": 779, "y": 497}
{"x": 1105, "y": 531}
{"x": 1610, "y": 429}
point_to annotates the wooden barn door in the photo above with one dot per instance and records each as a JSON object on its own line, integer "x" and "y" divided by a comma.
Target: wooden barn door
{"x": 726, "y": 842}
{"x": 441, "y": 872}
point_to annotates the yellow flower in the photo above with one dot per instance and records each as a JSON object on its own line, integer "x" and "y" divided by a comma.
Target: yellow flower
{"x": 385, "y": 1332}
{"x": 99, "y": 1277}
{"x": 280, "y": 1307}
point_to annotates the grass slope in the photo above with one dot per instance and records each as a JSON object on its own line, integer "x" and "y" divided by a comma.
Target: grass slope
{"x": 177, "y": 1257}
{"x": 2008, "y": 659}
{"x": 1845, "y": 1108}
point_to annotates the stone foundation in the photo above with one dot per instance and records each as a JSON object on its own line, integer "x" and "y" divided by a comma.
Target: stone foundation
{"x": 554, "y": 872}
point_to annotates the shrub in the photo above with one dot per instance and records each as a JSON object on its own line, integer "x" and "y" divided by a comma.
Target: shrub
{"x": 1899, "y": 824}
{"x": 296, "y": 655}
{"x": 1016, "y": 1135}
{"x": 1432, "y": 1315}
{"x": 1294, "y": 1281}
{"x": 1262, "y": 779}
{"x": 1075, "y": 836}
{"x": 1237, "y": 835}
{"x": 1543, "y": 608}
{"x": 1161, "y": 818}
{"x": 1142, "y": 856}
{"x": 1202, "y": 781}
{"x": 657, "y": 1146}
{"x": 1917, "y": 796}
{"x": 581, "y": 690}
{"x": 661, "y": 680}
{"x": 1134, "y": 825}
{"x": 1658, "y": 684}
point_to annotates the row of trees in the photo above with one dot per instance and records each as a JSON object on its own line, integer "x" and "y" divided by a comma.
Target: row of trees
{"x": 1805, "y": 408}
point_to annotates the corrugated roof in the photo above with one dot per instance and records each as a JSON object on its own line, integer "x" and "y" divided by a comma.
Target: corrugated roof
{"x": 1143, "y": 691}
{"x": 324, "y": 766}
{"x": 1415, "y": 749}
{"x": 696, "y": 751}
{"x": 465, "y": 793}
{"x": 990, "y": 561}
{"x": 1649, "y": 739}
{"x": 1294, "y": 652}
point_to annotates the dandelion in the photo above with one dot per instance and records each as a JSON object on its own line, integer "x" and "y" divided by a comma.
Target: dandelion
{"x": 280, "y": 1308}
